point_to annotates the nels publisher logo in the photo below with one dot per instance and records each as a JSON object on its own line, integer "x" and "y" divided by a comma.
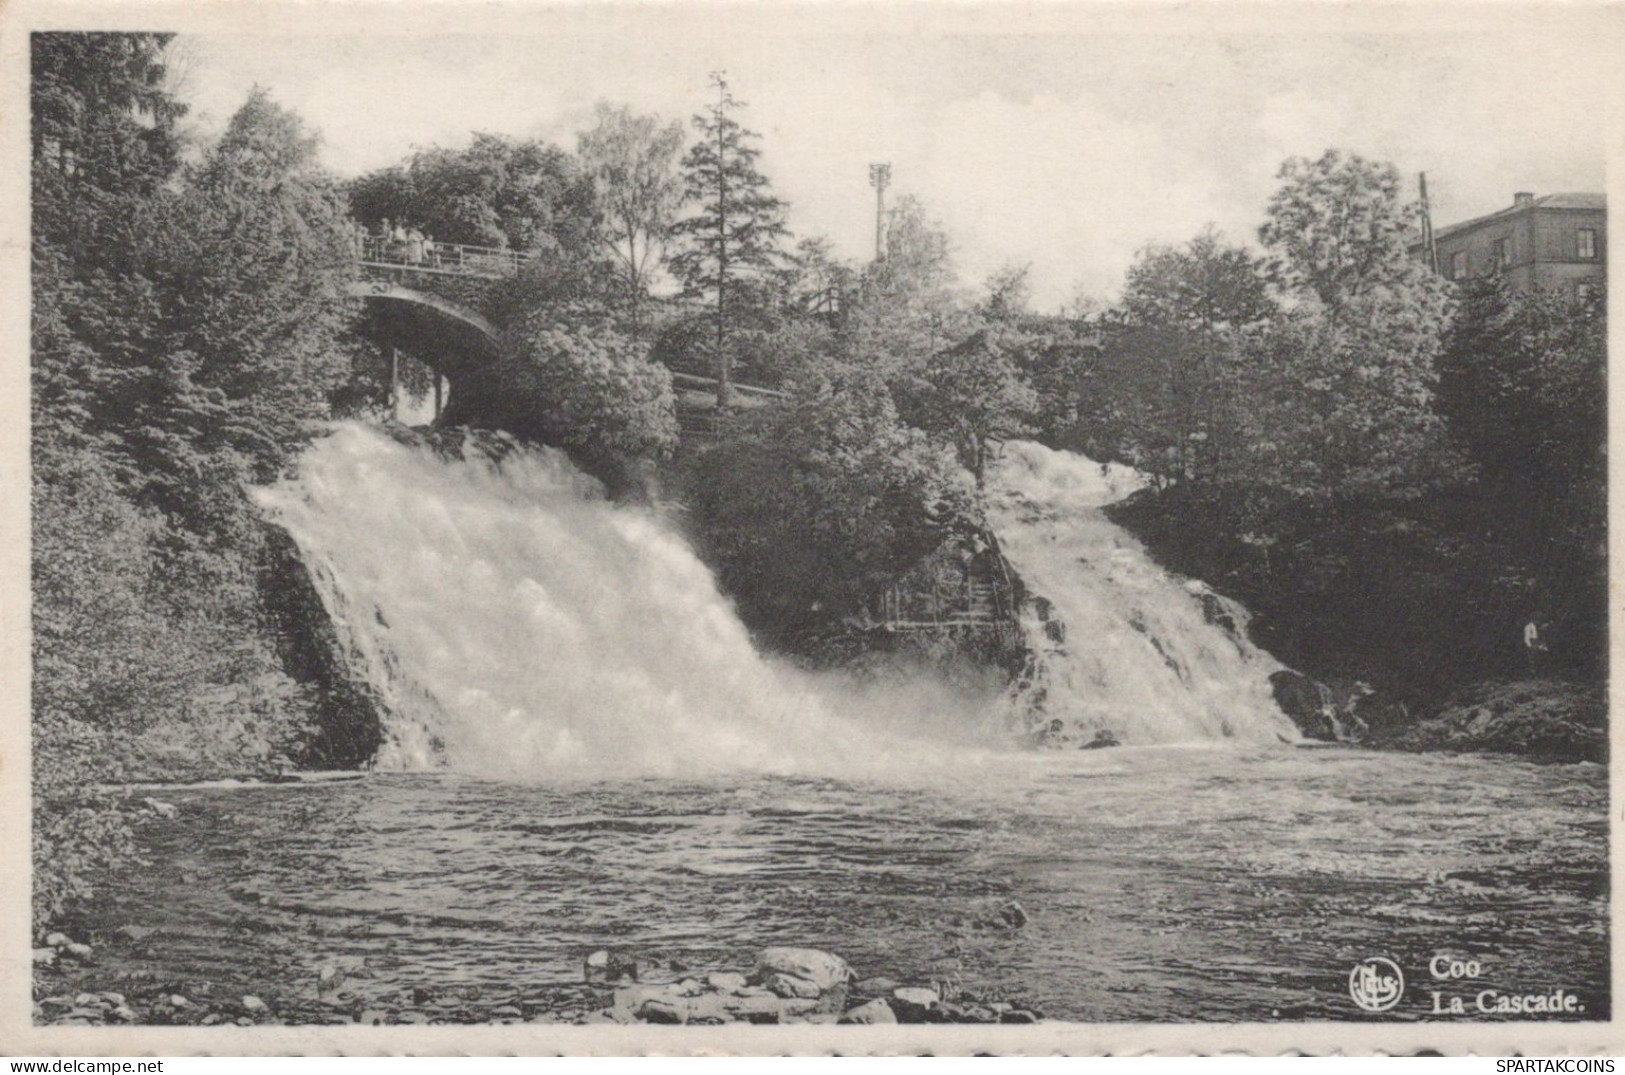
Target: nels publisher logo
{"x": 1376, "y": 984}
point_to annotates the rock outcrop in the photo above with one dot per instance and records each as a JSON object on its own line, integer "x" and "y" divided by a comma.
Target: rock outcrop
{"x": 1542, "y": 719}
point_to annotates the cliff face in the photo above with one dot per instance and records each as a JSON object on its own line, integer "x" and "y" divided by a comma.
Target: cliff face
{"x": 350, "y": 716}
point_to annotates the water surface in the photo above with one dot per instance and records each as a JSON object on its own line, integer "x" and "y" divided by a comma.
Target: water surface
{"x": 1196, "y": 883}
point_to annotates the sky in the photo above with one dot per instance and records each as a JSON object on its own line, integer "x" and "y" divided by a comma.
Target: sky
{"x": 1055, "y": 146}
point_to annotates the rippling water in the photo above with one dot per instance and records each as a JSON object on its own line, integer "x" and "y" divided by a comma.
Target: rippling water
{"x": 1214, "y": 883}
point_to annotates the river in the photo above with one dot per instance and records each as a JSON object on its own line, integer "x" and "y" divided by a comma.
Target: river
{"x": 1159, "y": 883}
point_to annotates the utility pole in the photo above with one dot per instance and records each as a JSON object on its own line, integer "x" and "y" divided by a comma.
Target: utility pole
{"x": 880, "y": 179}
{"x": 1430, "y": 249}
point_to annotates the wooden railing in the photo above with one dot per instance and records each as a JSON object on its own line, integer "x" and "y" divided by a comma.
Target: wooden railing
{"x": 426, "y": 255}
{"x": 689, "y": 380}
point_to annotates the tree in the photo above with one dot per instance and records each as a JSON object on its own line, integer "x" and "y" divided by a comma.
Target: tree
{"x": 1339, "y": 231}
{"x": 906, "y": 309}
{"x": 816, "y": 506}
{"x": 1345, "y": 391}
{"x": 1009, "y": 293}
{"x": 631, "y": 160}
{"x": 1174, "y": 354}
{"x": 1206, "y": 283}
{"x": 248, "y": 266}
{"x": 919, "y": 254}
{"x": 523, "y": 195}
{"x": 103, "y": 120}
{"x": 732, "y": 238}
{"x": 973, "y": 395}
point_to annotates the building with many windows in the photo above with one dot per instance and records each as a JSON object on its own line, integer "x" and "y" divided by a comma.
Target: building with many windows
{"x": 1557, "y": 241}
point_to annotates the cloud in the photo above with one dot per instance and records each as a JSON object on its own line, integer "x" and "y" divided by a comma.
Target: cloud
{"x": 1071, "y": 152}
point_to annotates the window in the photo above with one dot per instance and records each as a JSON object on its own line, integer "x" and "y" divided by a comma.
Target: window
{"x": 1503, "y": 252}
{"x": 1458, "y": 265}
{"x": 1586, "y": 243}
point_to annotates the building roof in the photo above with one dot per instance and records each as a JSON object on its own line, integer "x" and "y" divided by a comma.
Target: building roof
{"x": 1567, "y": 200}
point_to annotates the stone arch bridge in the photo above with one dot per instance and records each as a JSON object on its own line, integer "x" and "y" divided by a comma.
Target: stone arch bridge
{"x": 421, "y": 299}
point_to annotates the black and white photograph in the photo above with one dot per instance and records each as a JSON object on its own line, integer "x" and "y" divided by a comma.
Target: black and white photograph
{"x": 749, "y": 528}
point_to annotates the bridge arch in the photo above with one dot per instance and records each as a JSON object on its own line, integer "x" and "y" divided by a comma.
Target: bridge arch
{"x": 444, "y": 335}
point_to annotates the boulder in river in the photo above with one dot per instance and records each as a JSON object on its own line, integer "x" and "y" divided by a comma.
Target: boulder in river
{"x": 629, "y": 998}
{"x": 915, "y": 1004}
{"x": 824, "y": 970}
{"x": 329, "y": 979}
{"x": 790, "y": 985}
{"x": 1329, "y": 712}
{"x": 167, "y": 811}
{"x": 870, "y": 1013}
{"x": 605, "y": 967}
{"x": 663, "y": 1010}
{"x": 726, "y": 981}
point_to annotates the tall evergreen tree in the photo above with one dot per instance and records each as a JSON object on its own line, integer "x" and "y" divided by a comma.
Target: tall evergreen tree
{"x": 103, "y": 124}
{"x": 731, "y": 241}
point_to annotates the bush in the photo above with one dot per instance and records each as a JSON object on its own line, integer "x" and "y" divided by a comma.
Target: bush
{"x": 815, "y": 507}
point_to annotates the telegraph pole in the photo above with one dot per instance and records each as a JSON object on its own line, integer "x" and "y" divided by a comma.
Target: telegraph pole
{"x": 880, "y": 179}
{"x": 1429, "y": 248}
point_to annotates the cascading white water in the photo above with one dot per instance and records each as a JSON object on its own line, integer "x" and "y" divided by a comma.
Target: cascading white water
{"x": 1118, "y": 645}
{"x": 517, "y": 624}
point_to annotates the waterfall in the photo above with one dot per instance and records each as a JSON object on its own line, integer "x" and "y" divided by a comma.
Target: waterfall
{"x": 516, "y": 624}
{"x": 1120, "y": 650}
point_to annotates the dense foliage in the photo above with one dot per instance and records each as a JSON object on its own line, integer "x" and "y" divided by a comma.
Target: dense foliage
{"x": 815, "y": 507}
{"x": 497, "y": 191}
{"x": 1394, "y": 480}
{"x": 187, "y": 324}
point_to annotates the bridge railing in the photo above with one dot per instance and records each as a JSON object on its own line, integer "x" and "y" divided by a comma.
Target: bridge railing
{"x": 426, "y": 255}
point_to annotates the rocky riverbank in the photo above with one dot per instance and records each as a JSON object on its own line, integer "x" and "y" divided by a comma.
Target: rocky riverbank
{"x": 785, "y": 985}
{"x": 1541, "y": 719}
{"x": 1545, "y": 720}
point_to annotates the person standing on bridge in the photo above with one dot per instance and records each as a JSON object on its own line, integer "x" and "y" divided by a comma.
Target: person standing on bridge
{"x": 414, "y": 247}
